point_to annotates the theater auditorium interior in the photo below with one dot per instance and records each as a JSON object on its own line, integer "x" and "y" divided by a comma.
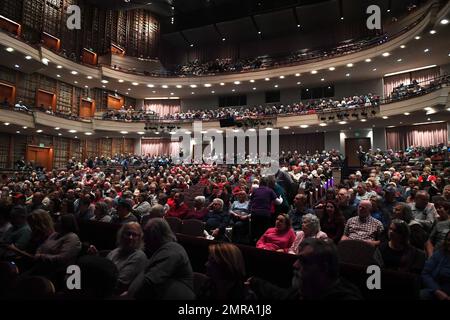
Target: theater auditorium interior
{"x": 224, "y": 150}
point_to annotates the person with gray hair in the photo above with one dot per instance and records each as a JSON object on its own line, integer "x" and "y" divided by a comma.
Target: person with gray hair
{"x": 199, "y": 210}
{"x": 128, "y": 257}
{"x": 156, "y": 211}
{"x": 168, "y": 274}
{"x": 101, "y": 212}
{"x": 217, "y": 219}
{"x": 423, "y": 210}
{"x": 310, "y": 229}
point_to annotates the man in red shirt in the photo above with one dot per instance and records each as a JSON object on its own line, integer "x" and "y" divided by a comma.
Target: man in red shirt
{"x": 179, "y": 209}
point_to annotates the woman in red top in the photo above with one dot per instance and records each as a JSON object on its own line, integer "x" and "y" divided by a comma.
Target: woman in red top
{"x": 279, "y": 238}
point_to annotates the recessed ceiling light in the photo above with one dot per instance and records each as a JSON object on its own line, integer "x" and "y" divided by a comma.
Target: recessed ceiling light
{"x": 156, "y": 132}
{"x": 76, "y": 82}
{"x": 141, "y": 132}
{"x": 281, "y": 77}
{"x": 135, "y": 83}
{"x": 368, "y": 60}
{"x": 24, "y": 127}
{"x": 299, "y": 82}
{"x": 298, "y": 26}
{"x": 399, "y": 60}
{"x": 153, "y": 91}
{"x": 9, "y": 49}
{"x": 417, "y": 37}
{"x": 313, "y": 71}
{"x": 363, "y": 120}
{"x": 286, "y": 127}
{"x": 171, "y": 93}
{"x": 203, "y": 131}
{"x": 192, "y": 45}
{"x": 59, "y": 134}
{"x": 121, "y": 81}
{"x": 219, "y": 131}
{"x": 331, "y": 68}
{"x": 187, "y": 132}
{"x": 323, "y": 124}
{"x": 192, "y": 92}
{"x": 58, "y": 76}
{"x": 426, "y": 50}
{"x": 252, "y": 81}
{"x": 18, "y": 132}
{"x": 86, "y": 86}
{"x": 57, "y": 128}
{"x": 237, "y": 82}
{"x": 6, "y": 123}
{"x": 150, "y": 85}
{"x": 103, "y": 86}
{"x": 349, "y": 65}
{"x": 58, "y": 67}
{"x": 124, "y": 132}
{"x": 323, "y": 79}
{"x": 385, "y": 117}
{"x": 267, "y": 79}
{"x": 129, "y": 89}
{"x": 374, "y": 69}
{"x": 165, "y": 86}
{"x": 347, "y": 75}
{"x": 178, "y": 86}
{"x": 222, "y": 83}
{"x": 45, "y": 61}
{"x": 429, "y": 119}
{"x": 298, "y": 74}
{"x": 233, "y": 90}
{"x": 259, "y": 32}
{"x": 252, "y": 129}
{"x": 276, "y": 86}
{"x": 406, "y": 113}
{"x": 432, "y": 31}
{"x": 254, "y": 88}
{"x": 444, "y": 21}
{"x": 104, "y": 81}
{"x": 127, "y": 93}
{"x": 74, "y": 72}
{"x": 39, "y": 131}
{"x": 386, "y": 54}
{"x": 193, "y": 86}
{"x": 342, "y": 122}
{"x": 88, "y": 133}
{"x": 72, "y": 131}
{"x": 213, "y": 91}
{"x": 403, "y": 46}
{"x": 28, "y": 57}
{"x": 207, "y": 85}
{"x": 16, "y": 66}
{"x": 304, "y": 126}
{"x": 89, "y": 77}
{"x": 223, "y": 39}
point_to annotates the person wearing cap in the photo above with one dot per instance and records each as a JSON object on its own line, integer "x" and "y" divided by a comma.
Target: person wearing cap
{"x": 124, "y": 214}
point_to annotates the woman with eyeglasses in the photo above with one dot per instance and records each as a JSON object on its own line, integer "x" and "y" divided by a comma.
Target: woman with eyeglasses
{"x": 279, "y": 238}
{"x": 128, "y": 257}
{"x": 397, "y": 253}
{"x": 436, "y": 274}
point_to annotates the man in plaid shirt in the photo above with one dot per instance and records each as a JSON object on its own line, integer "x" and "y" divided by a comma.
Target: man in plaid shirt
{"x": 364, "y": 226}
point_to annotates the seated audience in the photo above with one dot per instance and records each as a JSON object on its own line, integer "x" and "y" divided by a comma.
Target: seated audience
{"x": 424, "y": 211}
{"x": 101, "y": 212}
{"x": 216, "y": 220}
{"x": 240, "y": 218}
{"x": 332, "y": 221}
{"x": 440, "y": 229}
{"x": 397, "y": 253}
{"x": 18, "y": 236}
{"x": 310, "y": 229}
{"x": 124, "y": 214}
{"x": 280, "y": 238}
{"x": 436, "y": 274}
{"x": 226, "y": 271}
{"x": 299, "y": 209}
{"x": 179, "y": 209}
{"x": 199, "y": 210}
{"x": 364, "y": 227}
{"x": 168, "y": 273}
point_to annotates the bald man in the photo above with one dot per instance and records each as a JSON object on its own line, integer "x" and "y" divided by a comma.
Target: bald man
{"x": 363, "y": 227}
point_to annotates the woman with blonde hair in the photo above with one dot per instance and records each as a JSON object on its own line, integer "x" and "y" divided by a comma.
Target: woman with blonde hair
{"x": 226, "y": 271}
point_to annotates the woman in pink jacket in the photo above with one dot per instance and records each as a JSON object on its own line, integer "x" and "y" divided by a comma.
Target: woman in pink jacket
{"x": 279, "y": 238}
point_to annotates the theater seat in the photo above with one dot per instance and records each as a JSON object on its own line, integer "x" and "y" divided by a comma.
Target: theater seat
{"x": 200, "y": 280}
{"x": 174, "y": 223}
{"x": 358, "y": 252}
{"x": 193, "y": 227}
